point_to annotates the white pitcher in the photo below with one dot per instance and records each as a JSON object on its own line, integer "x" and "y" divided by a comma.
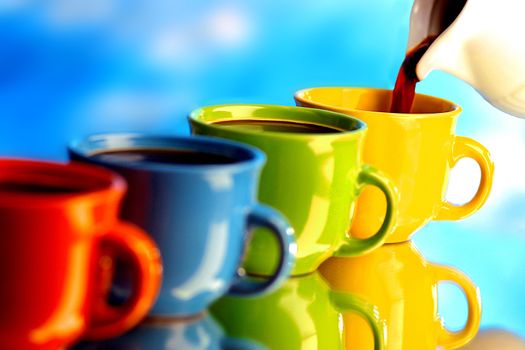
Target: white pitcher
{"x": 481, "y": 42}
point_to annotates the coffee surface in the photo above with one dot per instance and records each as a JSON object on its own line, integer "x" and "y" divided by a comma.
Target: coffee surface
{"x": 12, "y": 187}
{"x": 163, "y": 156}
{"x": 280, "y": 126}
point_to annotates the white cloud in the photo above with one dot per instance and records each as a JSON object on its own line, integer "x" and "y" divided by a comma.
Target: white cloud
{"x": 228, "y": 26}
{"x": 463, "y": 181}
{"x": 190, "y": 44}
{"x": 133, "y": 107}
{"x": 67, "y": 12}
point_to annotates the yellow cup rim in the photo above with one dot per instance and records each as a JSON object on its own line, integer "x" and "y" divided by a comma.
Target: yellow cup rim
{"x": 454, "y": 110}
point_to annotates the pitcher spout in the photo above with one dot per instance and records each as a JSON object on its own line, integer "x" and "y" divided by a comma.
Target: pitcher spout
{"x": 445, "y": 54}
{"x": 481, "y": 46}
{"x": 440, "y": 19}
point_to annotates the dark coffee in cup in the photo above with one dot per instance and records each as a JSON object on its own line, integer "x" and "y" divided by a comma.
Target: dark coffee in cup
{"x": 162, "y": 156}
{"x": 7, "y": 188}
{"x": 279, "y": 126}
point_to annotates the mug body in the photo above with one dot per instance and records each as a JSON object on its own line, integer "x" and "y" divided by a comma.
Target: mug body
{"x": 311, "y": 178}
{"x": 415, "y": 150}
{"x": 197, "y": 214}
{"x": 52, "y": 217}
{"x": 397, "y": 280}
{"x": 299, "y": 315}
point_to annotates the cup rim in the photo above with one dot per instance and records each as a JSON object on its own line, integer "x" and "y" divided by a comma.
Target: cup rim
{"x": 194, "y": 117}
{"x": 246, "y": 157}
{"x": 113, "y": 185}
{"x": 299, "y": 96}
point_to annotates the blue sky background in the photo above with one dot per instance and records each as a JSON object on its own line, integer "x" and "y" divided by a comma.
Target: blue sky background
{"x": 69, "y": 68}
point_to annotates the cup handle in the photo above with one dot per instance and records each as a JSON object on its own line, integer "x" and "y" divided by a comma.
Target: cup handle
{"x": 465, "y": 147}
{"x": 355, "y": 246}
{"x": 345, "y": 302}
{"x": 447, "y": 338}
{"x": 128, "y": 241}
{"x": 264, "y": 216}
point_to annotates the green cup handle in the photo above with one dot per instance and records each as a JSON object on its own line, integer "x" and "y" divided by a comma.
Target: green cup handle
{"x": 355, "y": 246}
{"x": 345, "y": 302}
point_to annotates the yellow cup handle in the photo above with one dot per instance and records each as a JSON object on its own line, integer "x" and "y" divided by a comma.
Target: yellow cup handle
{"x": 446, "y": 338}
{"x": 465, "y": 147}
{"x": 355, "y": 246}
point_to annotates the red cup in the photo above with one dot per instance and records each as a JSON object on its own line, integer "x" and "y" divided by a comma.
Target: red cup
{"x": 59, "y": 236}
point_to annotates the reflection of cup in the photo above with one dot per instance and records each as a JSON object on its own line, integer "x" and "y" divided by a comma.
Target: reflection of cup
{"x": 159, "y": 333}
{"x": 417, "y": 150}
{"x": 403, "y": 286}
{"x": 199, "y": 214}
{"x": 59, "y": 227}
{"x": 311, "y": 178}
{"x": 302, "y": 314}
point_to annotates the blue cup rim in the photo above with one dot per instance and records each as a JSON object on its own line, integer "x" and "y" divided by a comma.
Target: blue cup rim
{"x": 245, "y": 157}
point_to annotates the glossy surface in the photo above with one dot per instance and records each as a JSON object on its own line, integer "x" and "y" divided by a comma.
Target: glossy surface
{"x": 302, "y": 315}
{"x": 199, "y": 215}
{"x": 280, "y": 47}
{"x": 416, "y": 150}
{"x": 53, "y": 252}
{"x": 171, "y": 334}
{"x": 403, "y": 285}
{"x": 313, "y": 179}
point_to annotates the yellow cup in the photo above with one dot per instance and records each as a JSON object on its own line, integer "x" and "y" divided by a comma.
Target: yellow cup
{"x": 403, "y": 286}
{"x": 416, "y": 150}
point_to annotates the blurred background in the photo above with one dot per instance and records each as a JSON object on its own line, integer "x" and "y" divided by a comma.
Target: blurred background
{"x": 69, "y": 68}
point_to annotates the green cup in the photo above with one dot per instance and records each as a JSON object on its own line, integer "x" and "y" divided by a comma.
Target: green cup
{"x": 302, "y": 314}
{"x": 313, "y": 175}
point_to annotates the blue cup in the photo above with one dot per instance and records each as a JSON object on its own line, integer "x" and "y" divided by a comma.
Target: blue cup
{"x": 165, "y": 334}
{"x": 200, "y": 215}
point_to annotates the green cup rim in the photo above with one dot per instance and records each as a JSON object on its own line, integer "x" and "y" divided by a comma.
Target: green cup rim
{"x": 349, "y": 124}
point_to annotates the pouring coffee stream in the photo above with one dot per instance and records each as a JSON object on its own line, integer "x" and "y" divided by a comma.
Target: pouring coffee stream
{"x": 429, "y": 19}
{"x": 478, "y": 41}
{"x": 405, "y": 88}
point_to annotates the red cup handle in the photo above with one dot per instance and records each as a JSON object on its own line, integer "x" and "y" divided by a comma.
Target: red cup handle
{"x": 134, "y": 245}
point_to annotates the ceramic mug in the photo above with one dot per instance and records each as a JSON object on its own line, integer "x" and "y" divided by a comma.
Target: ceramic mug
{"x": 200, "y": 215}
{"x": 303, "y": 314}
{"x": 159, "y": 333}
{"x": 59, "y": 226}
{"x": 403, "y": 286}
{"x": 313, "y": 178}
{"x": 416, "y": 150}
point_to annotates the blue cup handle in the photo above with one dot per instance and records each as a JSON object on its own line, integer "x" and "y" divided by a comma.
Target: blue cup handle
{"x": 264, "y": 216}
